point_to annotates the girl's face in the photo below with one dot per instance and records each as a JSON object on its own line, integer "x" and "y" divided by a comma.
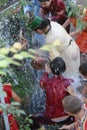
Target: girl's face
{"x": 45, "y": 4}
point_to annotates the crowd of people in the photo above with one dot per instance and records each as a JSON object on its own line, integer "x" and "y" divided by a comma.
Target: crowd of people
{"x": 65, "y": 65}
{"x": 65, "y": 106}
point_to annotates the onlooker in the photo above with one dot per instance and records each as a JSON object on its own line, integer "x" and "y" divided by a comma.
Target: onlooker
{"x": 79, "y": 22}
{"x": 11, "y": 94}
{"x": 73, "y": 106}
{"x": 54, "y": 10}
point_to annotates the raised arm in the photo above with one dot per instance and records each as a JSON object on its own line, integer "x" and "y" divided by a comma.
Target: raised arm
{"x": 16, "y": 97}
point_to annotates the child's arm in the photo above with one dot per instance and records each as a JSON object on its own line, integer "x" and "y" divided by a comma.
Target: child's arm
{"x": 16, "y": 97}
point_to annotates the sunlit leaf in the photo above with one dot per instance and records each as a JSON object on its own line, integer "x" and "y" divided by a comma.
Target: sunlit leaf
{"x": 18, "y": 56}
{"x": 32, "y": 50}
{"x": 17, "y": 45}
{"x": 24, "y": 54}
{"x": 13, "y": 50}
{"x": 16, "y": 63}
{"x": 2, "y": 72}
{"x": 31, "y": 56}
{"x": 4, "y": 51}
{"x": 2, "y": 56}
{"x": 4, "y": 63}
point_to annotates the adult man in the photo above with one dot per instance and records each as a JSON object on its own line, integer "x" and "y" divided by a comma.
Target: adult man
{"x": 66, "y": 48}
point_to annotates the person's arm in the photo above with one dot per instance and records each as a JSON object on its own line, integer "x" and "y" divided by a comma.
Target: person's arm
{"x": 45, "y": 76}
{"x": 16, "y": 97}
{"x": 75, "y": 33}
{"x": 69, "y": 127}
{"x": 67, "y": 22}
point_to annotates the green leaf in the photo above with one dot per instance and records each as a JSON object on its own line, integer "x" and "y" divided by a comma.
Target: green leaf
{"x": 16, "y": 63}
{"x": 4, "y": 51}
{"x": 15, "y": 103}
{"x": 32, "y": 51}
{"x": 18, "y": 57}
{"x": 2, "y": 72}
{"x": 4, "y": 64}
{"x": 24, "y": 54}
{"x": 13, "y": 50}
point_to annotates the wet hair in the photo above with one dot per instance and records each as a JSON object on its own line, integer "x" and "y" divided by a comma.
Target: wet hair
{"x": 72, "y": 104}
{"x": 83, "y": 69}
{"x": 44, "y": 24}
{"x": 57, "y": 66}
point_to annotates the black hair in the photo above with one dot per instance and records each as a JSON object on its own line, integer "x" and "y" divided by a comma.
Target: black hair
{"x": 83, "y": 69}
{"x": 44, "y": 24}
{"x": 57, "y": 66}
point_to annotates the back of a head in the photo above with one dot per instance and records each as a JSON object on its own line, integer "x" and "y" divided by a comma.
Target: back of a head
{"x": 44, "y": 24}
{"x": 57, "y": 66}
{"x": 72, "y": 104}
{"x": 37, "y": 22}
{"x": 83, "y": 69}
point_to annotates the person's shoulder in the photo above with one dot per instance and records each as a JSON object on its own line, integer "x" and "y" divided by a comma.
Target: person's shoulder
{"x": 55, "y": 23}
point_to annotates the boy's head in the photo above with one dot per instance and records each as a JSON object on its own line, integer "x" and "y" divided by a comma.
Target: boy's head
{"x": 38, "y": 24}
{"x": 57, "y": 66}
{"x": 72, "y": 104}
{"x": 83, "y": 69}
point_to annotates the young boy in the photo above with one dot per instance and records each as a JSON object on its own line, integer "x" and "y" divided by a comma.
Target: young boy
{"x": 73, "y": 106}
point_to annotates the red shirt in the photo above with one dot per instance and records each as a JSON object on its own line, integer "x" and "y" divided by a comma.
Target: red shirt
{"x": 8, "y": 89}
{"x": 56, "y": 7}
{"x": 55, "y": 92}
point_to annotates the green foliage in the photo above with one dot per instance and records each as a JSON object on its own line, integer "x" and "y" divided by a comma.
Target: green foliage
{"x": 25, "y": 123}
{"x": 75, "y": 11}
{"x": 3, "y": 3}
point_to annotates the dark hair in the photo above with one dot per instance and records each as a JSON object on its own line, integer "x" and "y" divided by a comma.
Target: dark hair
{"x": 72, "y": 104}
{"x": 44, "y": 24}
{"x": 83, "y": 69}
{"x": 57, "y": 66}
{"x": 43, "y": 0}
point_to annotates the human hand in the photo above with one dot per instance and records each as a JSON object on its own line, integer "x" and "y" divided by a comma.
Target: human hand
{"x": 47, "y": 68}
{"x": 71, "y": 90}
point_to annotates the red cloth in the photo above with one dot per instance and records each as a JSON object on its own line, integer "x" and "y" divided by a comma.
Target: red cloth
{"x": 56, "y": 7}
{"x": 81, "y": 41}
{"x": 8, "y": 89}
{"x": 81, "y": 38}
{"x": 85, "y": 121}
{"x": 55, "y": 92}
